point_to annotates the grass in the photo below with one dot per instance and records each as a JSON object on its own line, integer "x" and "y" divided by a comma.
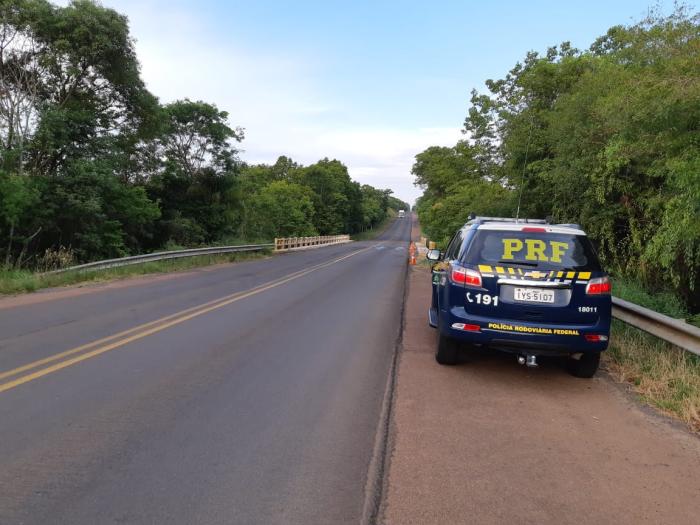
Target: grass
{"x": 374, "y": 232}
{"x": 662, "y": 301}
{"x": 22, "y": 281}
{"x": 663, "y": 375}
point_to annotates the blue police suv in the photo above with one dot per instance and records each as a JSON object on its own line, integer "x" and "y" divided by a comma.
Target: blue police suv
{"x": 522, "y": 286}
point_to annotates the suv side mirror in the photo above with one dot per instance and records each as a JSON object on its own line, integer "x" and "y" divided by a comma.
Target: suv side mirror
{"x": 433, "y": 255}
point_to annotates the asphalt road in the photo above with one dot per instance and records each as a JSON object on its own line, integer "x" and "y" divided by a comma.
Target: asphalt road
{"x": 245, "y": 393}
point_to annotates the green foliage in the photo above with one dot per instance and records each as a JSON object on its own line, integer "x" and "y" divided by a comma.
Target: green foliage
{"x": 606, "y": 137}
{"x": 325, "y": 200}
{"x": 664, "y": 301}
{"x": 374, "y": 205}
{"x": 331, "y": 185}
{"x": 75, "y": 84}
{"x": 18, "y": 196}
{"x": 91, "y": 211}
{"x": 196, "y": 137}
{"x": 441, "y": 218}
{"x": 282, "y": 209}
{"x": 454, "y": 187}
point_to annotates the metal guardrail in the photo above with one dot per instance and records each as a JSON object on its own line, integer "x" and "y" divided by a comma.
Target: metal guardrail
{"x": 672, "y": 330}
{"x": 282, "y": 244}
{"x": 161, "y": 256}
{"x": 300, "y": 243}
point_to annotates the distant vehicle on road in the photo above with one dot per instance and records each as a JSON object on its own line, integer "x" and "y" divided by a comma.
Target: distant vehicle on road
{"x": 522, "y": 286}
{"x": 402, "y": 214}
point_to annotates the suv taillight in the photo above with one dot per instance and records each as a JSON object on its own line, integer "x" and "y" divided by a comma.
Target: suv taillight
{"x": 599, "y": 286}
{"x": 465, "y": 276}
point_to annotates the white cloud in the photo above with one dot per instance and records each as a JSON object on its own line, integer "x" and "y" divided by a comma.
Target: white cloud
{"x": 275, "y": 97}
{"x": 381, "y": 157}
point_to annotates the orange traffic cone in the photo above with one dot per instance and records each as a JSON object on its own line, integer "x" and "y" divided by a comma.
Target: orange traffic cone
{"x": 412, "y": 253}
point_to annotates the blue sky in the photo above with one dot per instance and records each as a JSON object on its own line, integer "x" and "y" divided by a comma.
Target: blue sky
{"x": 369, "y": 83}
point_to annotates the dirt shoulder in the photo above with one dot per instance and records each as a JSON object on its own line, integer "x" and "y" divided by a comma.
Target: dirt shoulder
{"x": 490, "y": 441}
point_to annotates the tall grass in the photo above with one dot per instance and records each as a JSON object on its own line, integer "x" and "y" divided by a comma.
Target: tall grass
{"x": 664, "y": 375}
{"x": 662, "y": 301}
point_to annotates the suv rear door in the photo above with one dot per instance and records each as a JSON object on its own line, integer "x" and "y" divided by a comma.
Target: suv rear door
{"x": 534, "y": 274}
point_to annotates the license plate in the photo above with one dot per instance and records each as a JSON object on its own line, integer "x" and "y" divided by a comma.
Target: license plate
{"x": 534, "y": 295}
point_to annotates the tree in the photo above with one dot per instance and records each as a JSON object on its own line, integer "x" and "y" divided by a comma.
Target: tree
{"x": 454, "y": 186}
{"x": 197, "y": 136}
{"x": 332, "y": 190}
{"x": 195, "y": 178}
{"x": 92, "y": 212}
{"x": 374, "y": 206}
{"x": 72, "y": 82}
{"x": 19, "y": 84}
{"x": 282, "y": 209}
{"x": 605, "y": 137}
{"x": 17, "y": 197}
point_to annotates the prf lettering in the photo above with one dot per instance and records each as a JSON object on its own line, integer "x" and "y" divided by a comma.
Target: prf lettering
{"x": 535, "y": 249}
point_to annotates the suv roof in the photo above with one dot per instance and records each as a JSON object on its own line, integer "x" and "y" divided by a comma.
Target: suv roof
{"x": 473, "y": 219}
{"x": 505, "y": 223}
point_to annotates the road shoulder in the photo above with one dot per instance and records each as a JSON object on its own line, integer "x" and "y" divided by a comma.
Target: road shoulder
{"x": 489, "y": 441}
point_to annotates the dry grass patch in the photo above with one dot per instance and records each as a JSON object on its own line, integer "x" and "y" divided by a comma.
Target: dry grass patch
{"x": 664, "y": 375}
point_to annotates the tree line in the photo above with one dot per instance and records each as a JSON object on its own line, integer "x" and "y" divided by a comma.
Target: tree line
{"x": 607, "y": 137}
{"x": 93, "y": 166}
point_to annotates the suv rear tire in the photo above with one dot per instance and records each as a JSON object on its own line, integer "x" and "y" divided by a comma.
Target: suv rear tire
{"x": 585, "y": 367}
{"x": 447, "y": 350}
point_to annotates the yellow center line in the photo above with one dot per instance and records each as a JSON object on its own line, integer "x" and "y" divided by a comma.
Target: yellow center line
{"x": 98, "y": 342}
{"x": 150, "y": 328}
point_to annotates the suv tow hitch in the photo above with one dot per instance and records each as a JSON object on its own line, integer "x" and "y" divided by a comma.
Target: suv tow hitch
{"x": 528, "y": 359}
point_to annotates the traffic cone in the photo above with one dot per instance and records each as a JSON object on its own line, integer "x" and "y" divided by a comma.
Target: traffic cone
{"x": 412, "y": 253}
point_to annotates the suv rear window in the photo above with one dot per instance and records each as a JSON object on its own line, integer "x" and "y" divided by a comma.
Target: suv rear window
{"x": 545, "y": 251}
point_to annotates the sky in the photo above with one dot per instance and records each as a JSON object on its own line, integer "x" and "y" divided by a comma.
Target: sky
{"x": 371, "y": 83}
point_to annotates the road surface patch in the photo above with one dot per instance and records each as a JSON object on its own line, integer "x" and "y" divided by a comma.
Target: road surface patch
{"x": 74, "y": 356}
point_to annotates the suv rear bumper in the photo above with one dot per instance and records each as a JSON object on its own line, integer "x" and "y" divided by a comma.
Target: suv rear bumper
{"x": 522, "y": 336}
